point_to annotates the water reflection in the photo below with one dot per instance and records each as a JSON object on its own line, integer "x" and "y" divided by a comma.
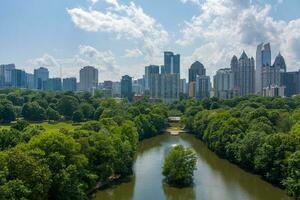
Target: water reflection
{"x": 172, "y": 193}
{"x": 214, "y": 178}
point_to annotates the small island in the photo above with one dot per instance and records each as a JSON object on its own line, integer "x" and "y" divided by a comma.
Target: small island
{"x": 179, "y": 166}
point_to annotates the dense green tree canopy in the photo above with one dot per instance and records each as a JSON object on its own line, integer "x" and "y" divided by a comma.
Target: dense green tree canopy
{"x": 179, "y": 166}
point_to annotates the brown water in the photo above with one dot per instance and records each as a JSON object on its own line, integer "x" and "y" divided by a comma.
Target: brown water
{"x": 215, "y": 179}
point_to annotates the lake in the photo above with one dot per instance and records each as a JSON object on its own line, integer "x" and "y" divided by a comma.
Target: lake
{"x": 215, "y": 178}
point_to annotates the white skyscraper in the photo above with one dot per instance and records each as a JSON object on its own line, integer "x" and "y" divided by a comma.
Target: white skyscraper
{"x": 88, "y": 79}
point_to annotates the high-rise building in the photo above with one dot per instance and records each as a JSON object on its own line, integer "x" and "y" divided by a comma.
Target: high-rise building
{"x": 291, "y": 81}
{"x": 150, "y": 70}
{"x": 223, "y": 83}
{"x": 126, "y": 87}
{"x": 116, "y": 89}
{"x": 192, "y": 89}
{"x": 5, "y": 75}
{"x": 18, "y": 78}
{"x": 171, "y": 63}
{"x": 29, "y": 81}
{"x": 234, "y": 66}
{"x": 196, "y": 69}
{"x": 246, "y": 75}
{"x": 137, "y": 87}
{"x": 183, "y": 86}
{"x": 202, "y": 87}
{"x": 40, "y": 75}
{"x": 263, "y": 59}
{"x": 52, "y": 84}
{"x": 155, "y": 86}
{"x": 88, "y": 79}
{"x": 70, "y": 84}
{"x": 170, "y": 87}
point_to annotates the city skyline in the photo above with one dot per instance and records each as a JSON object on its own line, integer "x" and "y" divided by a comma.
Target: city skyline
{"x": 82, "y": 38}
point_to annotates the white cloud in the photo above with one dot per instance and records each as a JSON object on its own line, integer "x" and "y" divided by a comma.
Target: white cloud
{"x": 133, "y": 53}
{"x": 197, "y": 2}
{"x": 124, "y": 21}
{"x": 87, "y": 55}
{"x": 45, "y": 61}
{"x": 227, "y": 27}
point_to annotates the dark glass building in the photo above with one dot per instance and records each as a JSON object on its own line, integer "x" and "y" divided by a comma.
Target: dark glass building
{"x": 126, "y": 87}
{"x": 196, "y": 69}
{"x": 291, "y": 81}
{"x": 171, "y": 63}
{"x": 18, "y": 78}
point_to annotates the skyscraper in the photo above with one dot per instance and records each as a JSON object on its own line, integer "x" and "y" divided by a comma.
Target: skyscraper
{"x": 18, "y": 78}
{"x": 170, "y": 87}
{"x": 234, "y": 66}
{"x": 40, "y": 75}
{"x": 183, "y": 86}
{"x": 171, "y": 63}
{"x": 126, "y": 87}
{"x": 202, "y": 87}
{"x": 70, "y": 84}
{"x": 29, "y": 81}
{"x": 150, "y": 70}
{"x": 223, "y": 83}
{"x": 196, "y": 69}
{"x": 5, "y": 74}
{"x": 263, "y": 59}
{"x": 246, "y": 75}
{"x": 291, "y": 81}
{"x": 88, "y": 79}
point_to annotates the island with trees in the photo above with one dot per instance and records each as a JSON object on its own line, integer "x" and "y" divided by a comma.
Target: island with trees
{"x": 179, "y": 166}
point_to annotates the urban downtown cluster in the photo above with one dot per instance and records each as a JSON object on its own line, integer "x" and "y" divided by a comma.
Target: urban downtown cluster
{"x": 245, "y": 76}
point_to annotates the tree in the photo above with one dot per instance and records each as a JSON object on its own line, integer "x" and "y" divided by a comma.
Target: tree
{"x": 78, "y": 116}
{"x": 87, "y": 110}
{"x": 33, "y": 112}
{"x": 67, "y": 164}
{"x": 31, "y": 176}
{"x": 52, "y": 114}
{"x": 20, "y": 125}
{"x": 7, "y": 113}
{"x": 292, "y": 182}
{"x": 179, "y": 166}
{"x": 67, "y": 106}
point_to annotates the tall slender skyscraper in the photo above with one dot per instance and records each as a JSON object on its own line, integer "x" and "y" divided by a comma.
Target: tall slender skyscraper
{"x": 263, "y": 59}
{"x": 246, "y": 75}
{"x": 126, "y": 87}
{"x": 88, "y": 79}
{"x": 234, "y": 66}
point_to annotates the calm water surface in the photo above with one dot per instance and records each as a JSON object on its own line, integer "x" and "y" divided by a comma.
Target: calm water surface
{"x": 215, "y": 179}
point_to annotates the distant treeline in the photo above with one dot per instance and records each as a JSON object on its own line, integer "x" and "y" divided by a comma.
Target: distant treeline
{"x": 260, "y": 134}
{"x": 38, "y": 164}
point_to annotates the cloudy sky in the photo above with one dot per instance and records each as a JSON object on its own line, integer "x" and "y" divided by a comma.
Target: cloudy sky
{"x": 122, "y": 36}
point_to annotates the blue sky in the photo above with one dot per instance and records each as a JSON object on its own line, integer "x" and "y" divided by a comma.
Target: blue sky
{"x": 122, "y": 36}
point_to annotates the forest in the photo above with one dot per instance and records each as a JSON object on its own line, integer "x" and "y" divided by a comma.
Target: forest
{"x": 259, "y": 134}
{"x": 37, "y": 163}
{"x": 98, "y": 138}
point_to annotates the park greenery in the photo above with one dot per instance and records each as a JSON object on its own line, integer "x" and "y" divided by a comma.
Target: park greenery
{"x": 60, "y": 145}
{"x": 179, "y": 166}
{"x": 260, "y": 134}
